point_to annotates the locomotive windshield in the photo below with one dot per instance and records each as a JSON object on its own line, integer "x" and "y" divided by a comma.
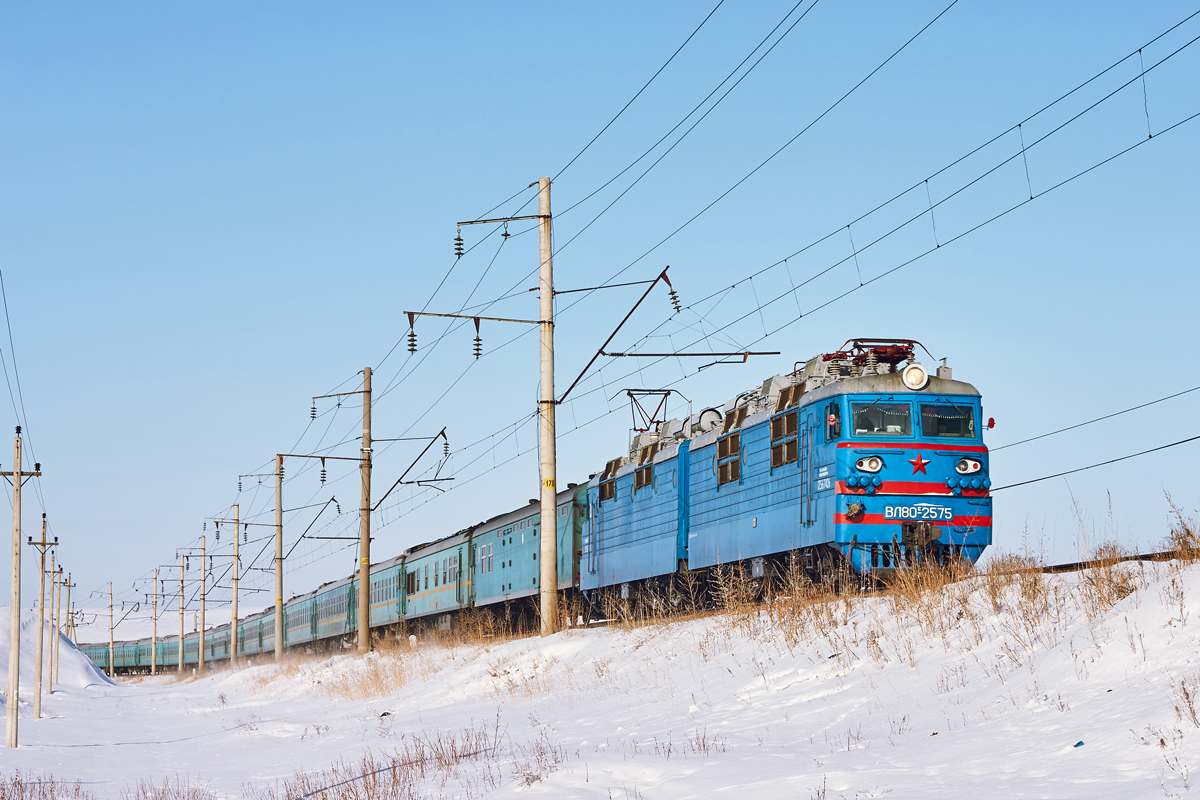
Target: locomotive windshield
{"x": 957, "y": 422}
{"x": 882, "y": 419}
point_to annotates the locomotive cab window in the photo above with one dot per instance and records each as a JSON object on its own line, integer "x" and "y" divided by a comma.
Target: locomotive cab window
{"x": 882, "y": 419}
{"x": 833, "y": 422}
{"x": 951, "y": 421}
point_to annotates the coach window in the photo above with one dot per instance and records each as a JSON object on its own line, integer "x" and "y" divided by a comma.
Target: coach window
{"x": 882, "y": 419}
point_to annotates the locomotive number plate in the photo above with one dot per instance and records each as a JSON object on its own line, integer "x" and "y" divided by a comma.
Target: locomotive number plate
{"x": 919, "y": 511}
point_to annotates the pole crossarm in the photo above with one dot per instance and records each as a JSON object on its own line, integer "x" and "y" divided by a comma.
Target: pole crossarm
{"x": 744, "y": 354}
{"x": 412, "y": 314}
{"x": 338, "y": 394}
{"x": 331, "y": 458}
{"x": 504, "y": 219}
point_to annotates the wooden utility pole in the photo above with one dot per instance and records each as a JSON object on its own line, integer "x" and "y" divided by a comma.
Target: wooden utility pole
{"x": 279, "y": 558}
{"x": 154, "y": 625}
{"x": 14, "y": 614}
{"x": 364, "y": 526}
{"x": 39, "y": 636}
{"x": 181, "y": 625}
{"x": 203, "y": 590}
{"x": 548, "y": 583}
{"x": 111, "y": 670}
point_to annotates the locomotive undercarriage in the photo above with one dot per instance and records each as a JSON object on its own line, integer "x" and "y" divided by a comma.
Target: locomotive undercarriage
{"x": 756, "y": 579}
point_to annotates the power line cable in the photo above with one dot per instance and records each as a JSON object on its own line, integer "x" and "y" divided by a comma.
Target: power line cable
{"x": 639, "y": 91}
{"x": 695, "y": 108}
{"x": 1097, "y": 419}
{"x": 1093, "y": 466}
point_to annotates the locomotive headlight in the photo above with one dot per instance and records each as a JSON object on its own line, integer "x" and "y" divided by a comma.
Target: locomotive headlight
{"x": 968, "y": 466}
{"x": 869, "y": 464}
{"x": 915, "y": 377}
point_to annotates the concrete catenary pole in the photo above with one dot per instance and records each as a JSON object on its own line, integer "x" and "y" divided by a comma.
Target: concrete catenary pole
{"x": 233, "y": 626}
{"x": 279, "y": 558}
{"x": 54, "y": 652}
{"x": 14, "y": 615}
{"x": 49, "y": 660}
{"x": 181, "y": 622}
{"x": 203, "y": 591}
{"x": 154, "y": 624}
{"x": 548, "y": 583}
{"x": 70, "y": 611}
{"x": 111, "y": 669}
{"x": 39, "y": 636}
{"x": 364, "y": 526}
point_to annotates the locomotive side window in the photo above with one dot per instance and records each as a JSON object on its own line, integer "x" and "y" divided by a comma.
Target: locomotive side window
{"x": 951, "y": 421}
{"x": 643, "y": 477}
{"x": 784, "y": 449}
{"x": 882, "y": 419}
{"x": 608, "y": 490}
{"x": 729, "y": 459}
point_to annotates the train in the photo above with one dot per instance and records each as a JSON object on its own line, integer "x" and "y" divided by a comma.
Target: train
{"x": 860, "y": 462}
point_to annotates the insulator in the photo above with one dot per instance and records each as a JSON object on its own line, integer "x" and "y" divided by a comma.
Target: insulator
{"x": 337, "y": 506}
{"x": 412, "y": 340}
{"x": 187, "y": 563}
{"x": 835, "y": 368}
{"x": 322, "y": 475}
{"x": 478, "y": 347}
{"x": 505, "y": 234}
{"x": 872, "y": 362}
{"x": 909, "y": 357}
{"x": 458, "y": 246}
{"x": 204, "y": 527}
{"x": 239, "y": 485}
{"x": 445, "y": 448}
{"x": 281, "y": 472}
{"x": 218, "y": 535}
{"x": 675, "y": 301}
{"x": 313, "y": 412}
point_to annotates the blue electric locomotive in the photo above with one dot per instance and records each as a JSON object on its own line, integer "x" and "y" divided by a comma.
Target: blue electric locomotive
{"x": 859, "y": 461}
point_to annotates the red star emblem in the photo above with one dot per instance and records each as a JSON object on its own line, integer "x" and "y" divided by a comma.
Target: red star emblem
{"x": 919, "y": 464}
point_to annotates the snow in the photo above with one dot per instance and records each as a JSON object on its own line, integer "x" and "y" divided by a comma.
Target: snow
{"x": 977, "y": 689}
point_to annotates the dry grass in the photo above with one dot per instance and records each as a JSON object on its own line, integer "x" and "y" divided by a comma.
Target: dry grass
{"x": 176, "y": 788}
{"x": 466, "y": 763}
{"x": 28, "y": 787}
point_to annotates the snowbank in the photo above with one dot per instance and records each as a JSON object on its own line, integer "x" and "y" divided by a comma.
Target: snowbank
{"x": 76, "y": 669}
{"x": 1083, "y": 685}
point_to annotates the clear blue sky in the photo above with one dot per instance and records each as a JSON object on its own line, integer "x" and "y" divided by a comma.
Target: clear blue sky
{"x": 210, "y": 213}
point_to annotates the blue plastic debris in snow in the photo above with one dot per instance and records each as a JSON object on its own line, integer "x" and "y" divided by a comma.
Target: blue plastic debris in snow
{"x": 1079, "y": 744}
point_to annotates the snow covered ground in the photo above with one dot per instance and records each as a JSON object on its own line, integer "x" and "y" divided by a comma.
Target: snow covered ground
{"x": 1072, "y": 686}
